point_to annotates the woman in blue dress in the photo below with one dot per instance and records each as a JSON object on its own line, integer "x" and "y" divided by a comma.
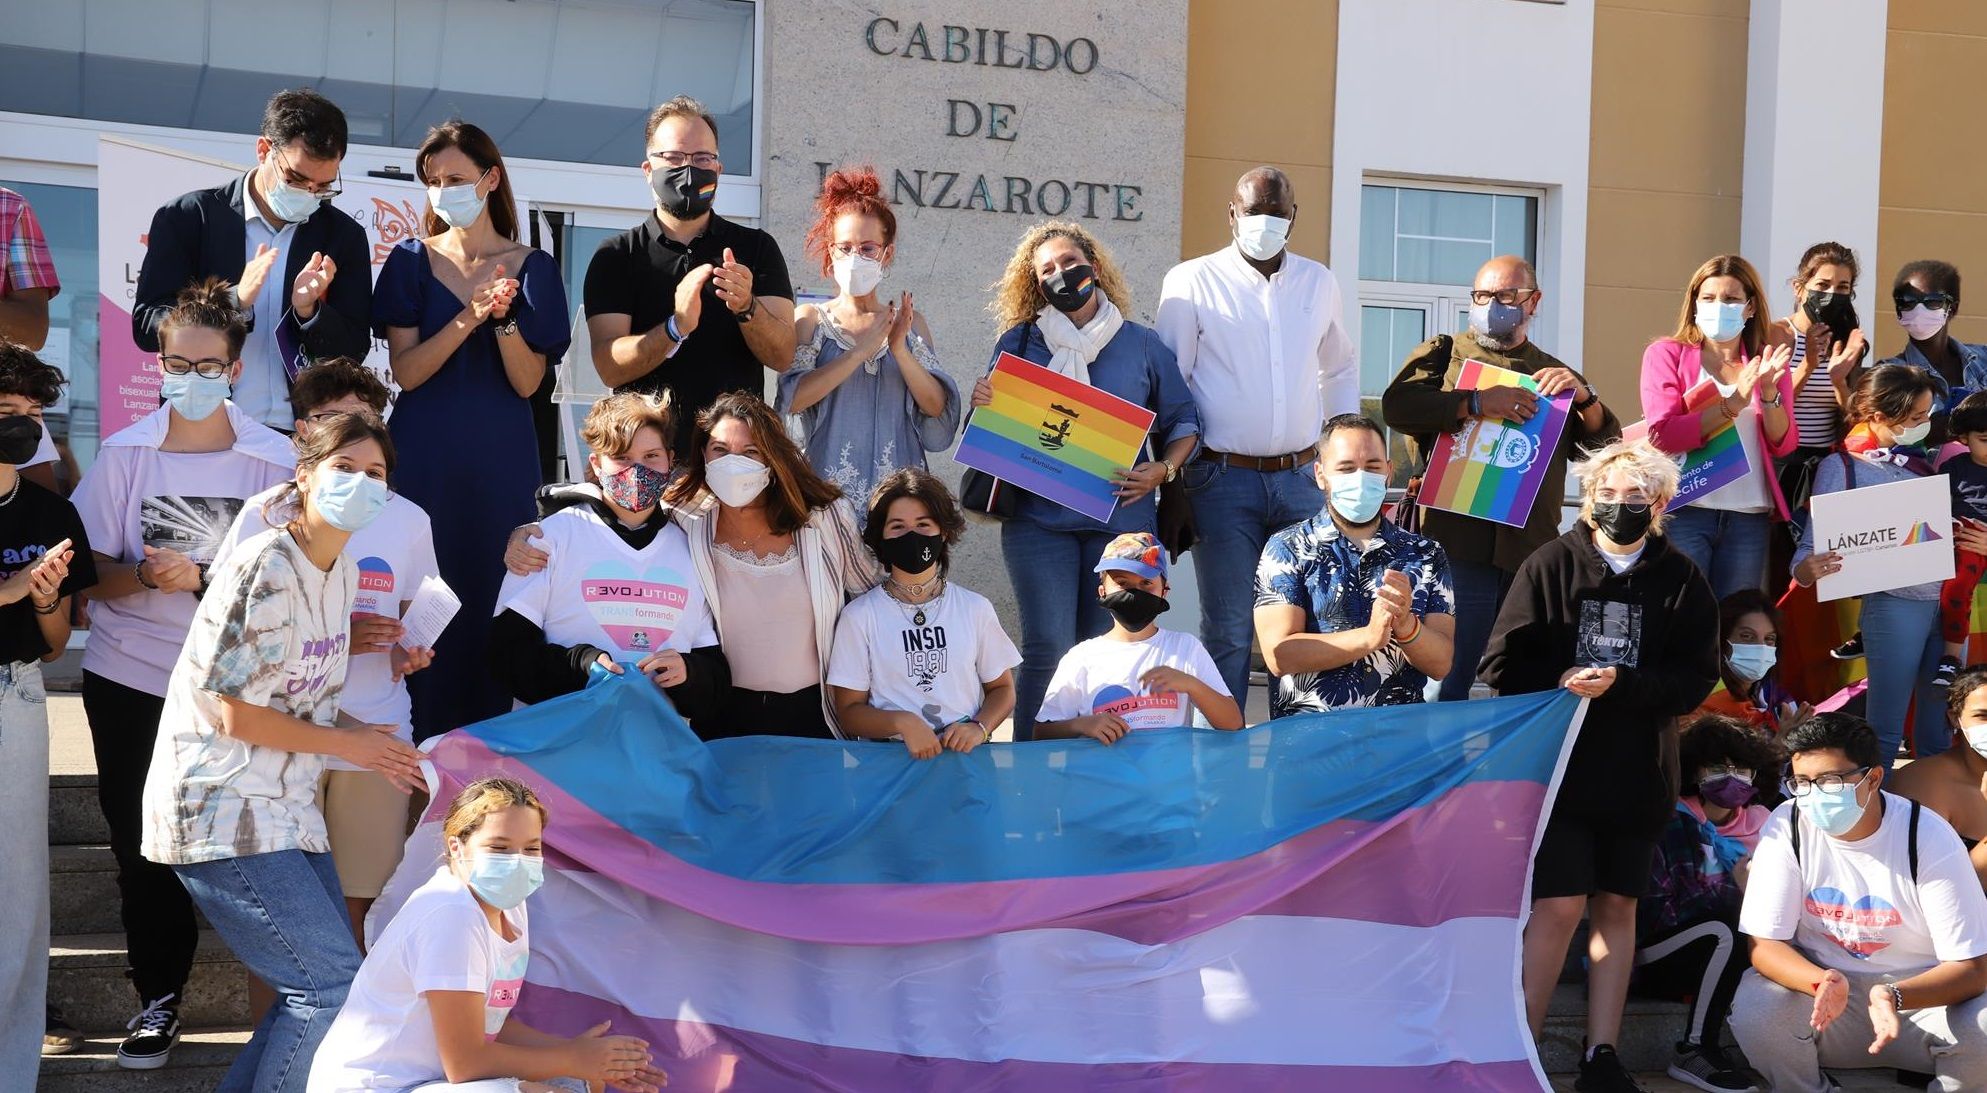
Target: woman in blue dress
{"x": 472, "y": 319}
{"x": 1062, "y": 303}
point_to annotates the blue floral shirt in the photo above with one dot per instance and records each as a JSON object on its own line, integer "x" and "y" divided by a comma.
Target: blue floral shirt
{"x": 1312, "y": 566}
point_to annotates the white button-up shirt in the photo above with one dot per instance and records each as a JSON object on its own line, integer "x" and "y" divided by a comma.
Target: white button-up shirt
{"x": 1267, "y": 358}
{"x": 263, "y": 392}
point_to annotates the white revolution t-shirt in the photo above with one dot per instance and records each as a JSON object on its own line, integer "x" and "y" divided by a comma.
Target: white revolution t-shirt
{"x": 273, "y": 630}
{"x": 1102, "y": 676}
{"x": 137, "y": 496}
{"x": 938, "y": 670}
{"x": 597, "y": 590}
{"x": 1853, "y": 907}
{"x": 393, "y": 554}
{"x": 441, "y": 940}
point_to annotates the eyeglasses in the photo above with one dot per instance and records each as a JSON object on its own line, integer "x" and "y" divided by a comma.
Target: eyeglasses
{"x": 1937, "y": 301}
{"x": 1827, "y": 783}
{"x": 871, "y": 251}
{"x": 206, "y": 367}
{"x": 295, "y": 179}
{"x": 1507, "y": 297}
{"x": 703, "y": 161}
{"x": 1724, "y": 772}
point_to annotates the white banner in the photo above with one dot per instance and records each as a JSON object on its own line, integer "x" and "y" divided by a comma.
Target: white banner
{"x": 1889, "y": 536}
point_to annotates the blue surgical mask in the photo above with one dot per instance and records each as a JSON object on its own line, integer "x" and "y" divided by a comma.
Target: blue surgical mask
{"x": 1751, "y": 662}
{"x": 1834, "y": 813}
{"x": 1495, "y": 323}
{"x": 1357, "y": 496}
{"x": 291, "y": 205}
{"x": 193, "y": 395}
{"x": 458, "y": 206}
{"x": 347, "y": 500}
{"x": 1720, "y": 322}
{"x": 505, "y": 880}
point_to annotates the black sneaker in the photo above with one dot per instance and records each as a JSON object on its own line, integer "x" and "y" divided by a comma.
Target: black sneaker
{"x": 59, "y": 1038}
{"x": 153, "y": 1033}
{"x": 1946, "y": 672}
{"x": 1849, "y": 650}
{"x": 1704, "y": 1066}
{"x": 1603, "y": 1073}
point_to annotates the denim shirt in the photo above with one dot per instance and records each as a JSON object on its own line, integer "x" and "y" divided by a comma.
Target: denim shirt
{"x": 1137, "y": 367}
{"x": 1832, "y": 474}
{"x": 1973, "y": 372}
{"x": 1312, "y": 566}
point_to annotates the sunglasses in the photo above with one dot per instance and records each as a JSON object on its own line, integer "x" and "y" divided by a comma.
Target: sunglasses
{"x": 1937, "y": 301}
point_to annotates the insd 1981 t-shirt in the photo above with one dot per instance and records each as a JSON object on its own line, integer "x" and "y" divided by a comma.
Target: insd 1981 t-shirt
{"x": 937, "y": 668}
{"x": 598, "y": 590}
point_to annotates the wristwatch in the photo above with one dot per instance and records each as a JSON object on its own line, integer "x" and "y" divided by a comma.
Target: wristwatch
{"x": 1172, "y": 472}
{"x": 746, "y": 315}
{"x": 1589, "y": 400}
{"x": 507, "y": 328}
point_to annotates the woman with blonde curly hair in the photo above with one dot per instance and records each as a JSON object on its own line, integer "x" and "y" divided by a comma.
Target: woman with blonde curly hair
{"x": 1061, "y": 304}
{"x": 1615, "y": 613}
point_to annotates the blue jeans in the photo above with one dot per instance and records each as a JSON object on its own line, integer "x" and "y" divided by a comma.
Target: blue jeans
{"x": 1236, "y": 510}
{"x": 1729, "y": 548}
{"x": 1480, "y": 589}
{"x": 283, "y": 914}
{"x": 1055, "y": 582}
{"x": 1902, "y": 649}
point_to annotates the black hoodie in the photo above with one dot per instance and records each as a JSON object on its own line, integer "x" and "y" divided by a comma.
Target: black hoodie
{"x": 1656, "y": 622}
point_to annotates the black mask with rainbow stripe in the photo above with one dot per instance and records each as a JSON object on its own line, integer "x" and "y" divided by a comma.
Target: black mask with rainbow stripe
{"x": 684, "y": 192}
{"x": 1069, "y": 289}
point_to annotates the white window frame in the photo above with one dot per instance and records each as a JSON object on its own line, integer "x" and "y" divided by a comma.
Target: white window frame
{"x": 1450, "y": 304}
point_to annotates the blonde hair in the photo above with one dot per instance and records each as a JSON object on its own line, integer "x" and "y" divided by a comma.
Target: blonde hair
{"x": 1018, "y": 294}
{"x": 1647, "y": 468}
{"x": 484, "y": 796}
{"x": 610, "y": 427}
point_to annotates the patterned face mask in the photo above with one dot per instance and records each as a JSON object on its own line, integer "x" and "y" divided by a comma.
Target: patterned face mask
{"x": 635, "y": 487}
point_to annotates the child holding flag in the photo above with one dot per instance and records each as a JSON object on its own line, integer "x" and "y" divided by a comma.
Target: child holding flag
{"x": 1137, "y": 676}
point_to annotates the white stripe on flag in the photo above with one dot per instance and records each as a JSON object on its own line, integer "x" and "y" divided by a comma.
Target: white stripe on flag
{"x": 1261, "y": 989}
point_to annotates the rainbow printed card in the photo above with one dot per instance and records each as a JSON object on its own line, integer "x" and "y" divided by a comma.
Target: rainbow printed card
{"x": 1493, "y": 469}
{"x": 1054, "y": 437}
{"x": 1720, "y": 462}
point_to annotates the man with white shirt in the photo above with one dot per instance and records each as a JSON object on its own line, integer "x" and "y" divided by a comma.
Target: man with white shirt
{"x": 1423, "y": 402}
{"x": 1260, "y": 337}
{"x": 275, "y": 236}
{"x": 1868, "y": 927}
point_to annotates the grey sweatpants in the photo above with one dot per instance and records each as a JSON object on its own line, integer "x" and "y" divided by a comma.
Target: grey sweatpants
{"x": 1771, "y": 1023}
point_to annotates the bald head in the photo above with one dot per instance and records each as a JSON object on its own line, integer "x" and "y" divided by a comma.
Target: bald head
{"x": 1265, "y": 191}
{"x": 1506, "y": 271}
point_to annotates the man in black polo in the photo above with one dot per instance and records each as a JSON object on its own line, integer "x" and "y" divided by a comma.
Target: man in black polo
{"x": 688, "y": 301}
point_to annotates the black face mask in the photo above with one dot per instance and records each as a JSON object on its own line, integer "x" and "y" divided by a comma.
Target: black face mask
{"x": 1069, "y": 289}
{"x": 1622, "y": 523}
{"x": 1834, "y": 310}
{"x": 20, "y": 435}
{"x": 684, "y": 192}
{"x": 1134, "y": 608}
{"x": 912, "y": 552}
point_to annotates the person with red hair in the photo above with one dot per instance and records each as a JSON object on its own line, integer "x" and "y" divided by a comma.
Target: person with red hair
{"x": 865, "y": 382}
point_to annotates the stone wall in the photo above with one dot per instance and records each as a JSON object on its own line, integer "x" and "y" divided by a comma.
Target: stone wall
{"x": 980, "y": 119}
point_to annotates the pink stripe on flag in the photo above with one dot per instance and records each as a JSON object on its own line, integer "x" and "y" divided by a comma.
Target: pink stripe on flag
{"x": 1463, "y": 866}
{"x": 713, "y": 1057}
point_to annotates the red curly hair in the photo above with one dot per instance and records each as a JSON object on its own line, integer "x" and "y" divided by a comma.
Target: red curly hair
{"x": 848, "y": 190}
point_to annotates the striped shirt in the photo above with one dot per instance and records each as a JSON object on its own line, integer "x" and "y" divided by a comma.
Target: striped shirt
{"x": 24, "y": 259}
{"x": 1816, "y": 414}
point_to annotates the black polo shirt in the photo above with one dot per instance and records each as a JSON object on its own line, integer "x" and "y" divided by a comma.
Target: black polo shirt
{"x": 636, "y": 273}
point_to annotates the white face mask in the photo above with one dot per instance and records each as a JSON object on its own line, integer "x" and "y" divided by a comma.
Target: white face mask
{"x": 1914, "y": 435}
{"x": 1921, "y": 322}
{"x": 458, "y": 206}
{"x": 737, "y": 480}
{"x": 1261, "y": 236}
{"x": 1976, "y": 737}
{"x": 856, "y": 275}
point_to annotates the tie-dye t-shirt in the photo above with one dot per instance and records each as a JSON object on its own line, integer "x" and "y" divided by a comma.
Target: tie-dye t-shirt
{"x": 271, "y": 631}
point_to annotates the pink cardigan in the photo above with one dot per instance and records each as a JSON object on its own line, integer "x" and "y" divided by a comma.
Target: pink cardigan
{"x": 1669, "y": 370}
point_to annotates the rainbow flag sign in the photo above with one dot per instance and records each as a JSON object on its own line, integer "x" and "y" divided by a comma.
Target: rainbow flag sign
{"x": 1719, "y": 463}
{"x": 1054, "y": 437}
{"x": 1923, "y": 533}
{"x": 1492, "y": 469}
{"x": 1322, "y": 902}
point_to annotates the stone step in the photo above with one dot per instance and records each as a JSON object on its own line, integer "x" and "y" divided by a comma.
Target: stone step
{"x": 82, "y": 890}
{"x": 1649, "y": 1032}
{"x": 197, "y": 1065}
{"x": 86, "y": 981}
{"x": 74, "y": 817}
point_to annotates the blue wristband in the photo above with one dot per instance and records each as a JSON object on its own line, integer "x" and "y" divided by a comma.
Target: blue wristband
{"x": 669, "y": 327}
{"x": 1476, "y": 403}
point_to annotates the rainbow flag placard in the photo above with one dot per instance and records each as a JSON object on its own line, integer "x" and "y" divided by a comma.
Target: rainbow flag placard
{"x": 1054, "y": 437}
{"x": 1719, "y": 463}
{"x": 1492, "y": 469}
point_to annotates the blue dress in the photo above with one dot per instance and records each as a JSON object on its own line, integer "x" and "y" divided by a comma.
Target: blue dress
{"x": 468, "y": 455}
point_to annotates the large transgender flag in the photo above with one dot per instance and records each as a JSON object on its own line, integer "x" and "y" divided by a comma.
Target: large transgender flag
{"x": 1325, "y": 902}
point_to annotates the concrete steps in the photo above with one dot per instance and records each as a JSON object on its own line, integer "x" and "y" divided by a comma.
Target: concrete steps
{"x": 197, "y": 1066}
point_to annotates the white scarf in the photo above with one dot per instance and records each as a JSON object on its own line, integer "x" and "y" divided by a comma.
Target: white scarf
{"x": 1075, "y": 347}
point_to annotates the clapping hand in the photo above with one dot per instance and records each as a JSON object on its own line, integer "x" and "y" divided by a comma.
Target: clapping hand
{"x": 899, "y": 323}
{"x": 690, "y": 298}
{"x": 734, "y": 284}
{"x": 313, "y": 281}
{"x": 492, "y": 299}
{"x": 255, "y": 274}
